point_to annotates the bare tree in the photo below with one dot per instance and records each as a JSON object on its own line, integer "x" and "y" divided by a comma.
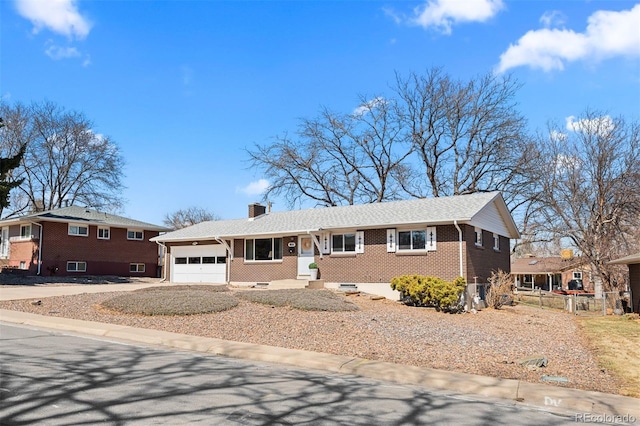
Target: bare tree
{"x": 187, "y": 217}
{"x": 336, "y": 159}
{"x": 435, "y": 137}
{"x": 66, "y": 162}
{"x": 468, "y": 136}
{"x": 589, "y": 174}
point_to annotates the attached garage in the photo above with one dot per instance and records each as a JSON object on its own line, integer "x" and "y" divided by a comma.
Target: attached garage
{"x": 199, "y": 264}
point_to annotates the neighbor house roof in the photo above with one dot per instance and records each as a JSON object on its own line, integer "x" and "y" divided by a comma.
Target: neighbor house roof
{"x": 433, "y": 211}
{"x": 543, "y": 265}
{"x": 78, "y": 214}
{"x": 627, "y": 260}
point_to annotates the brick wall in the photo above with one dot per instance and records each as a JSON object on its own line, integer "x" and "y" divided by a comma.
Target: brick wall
{"x": 103, "y": 257}
{"x": 264, "y": 271}
{"x": 377, "y": 265}
{"x": 482, "y": 261}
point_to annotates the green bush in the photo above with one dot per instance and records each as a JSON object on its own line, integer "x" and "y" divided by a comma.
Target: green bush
{"x": 419, "y": 290}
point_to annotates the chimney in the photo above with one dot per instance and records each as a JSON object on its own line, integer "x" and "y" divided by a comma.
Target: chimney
{"x": 256, "y": 209}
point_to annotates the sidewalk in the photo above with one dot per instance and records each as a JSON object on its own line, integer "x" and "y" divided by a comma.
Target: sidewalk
{"x": 565, "y": 401}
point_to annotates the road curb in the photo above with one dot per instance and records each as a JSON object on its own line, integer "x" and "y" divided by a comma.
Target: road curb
{"x": 560, "y": 400}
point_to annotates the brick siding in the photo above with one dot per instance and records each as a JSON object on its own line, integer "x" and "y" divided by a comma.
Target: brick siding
{"x": 376, "y": 265}
{"x": 103, "y": 257}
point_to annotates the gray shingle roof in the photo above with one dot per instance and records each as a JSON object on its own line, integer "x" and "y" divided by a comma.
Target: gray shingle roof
{"x": 85, "y": 215}
{"x": 442, "y": 210}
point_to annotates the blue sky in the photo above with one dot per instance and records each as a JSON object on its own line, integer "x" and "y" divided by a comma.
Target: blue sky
{"x": 183, "y": 87}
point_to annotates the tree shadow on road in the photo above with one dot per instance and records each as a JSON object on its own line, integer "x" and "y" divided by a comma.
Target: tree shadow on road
{"x": 58, "y": 379}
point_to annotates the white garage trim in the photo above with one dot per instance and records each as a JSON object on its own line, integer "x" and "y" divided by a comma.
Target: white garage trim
{"x": 198, "y": 264}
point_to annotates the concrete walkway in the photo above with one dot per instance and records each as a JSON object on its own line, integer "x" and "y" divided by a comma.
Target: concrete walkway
{"x": 566, "y": 401}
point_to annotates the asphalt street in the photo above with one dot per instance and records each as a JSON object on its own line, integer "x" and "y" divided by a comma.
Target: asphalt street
{"x": 64, "y": 379}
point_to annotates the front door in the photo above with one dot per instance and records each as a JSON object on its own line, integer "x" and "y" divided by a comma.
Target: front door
{"x": 305, "y": 255}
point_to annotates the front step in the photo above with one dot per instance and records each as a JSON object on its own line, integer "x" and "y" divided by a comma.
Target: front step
{"x": 287, "y": 284}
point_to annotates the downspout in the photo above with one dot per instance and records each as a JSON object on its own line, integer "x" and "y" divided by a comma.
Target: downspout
{"x": 164, "y": 261}
{"x": 455, "y": 223}
{"x": 39, "y": 247}
{"x": 228, "y": 266}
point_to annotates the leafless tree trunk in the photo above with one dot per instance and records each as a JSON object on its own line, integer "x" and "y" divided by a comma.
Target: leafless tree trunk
{"x": 65, "y": 161}
{"x": 589, "y": 173}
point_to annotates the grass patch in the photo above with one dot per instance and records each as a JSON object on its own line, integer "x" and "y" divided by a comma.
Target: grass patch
{"x": 303, "y": 299}
{"x": 173, "y": 300}
{"x": 615, "y": 341}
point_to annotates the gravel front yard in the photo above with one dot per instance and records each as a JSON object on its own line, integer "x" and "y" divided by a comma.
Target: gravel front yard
{"x": 488, "y": 343}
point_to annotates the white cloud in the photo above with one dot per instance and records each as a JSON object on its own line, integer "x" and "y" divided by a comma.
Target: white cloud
{"x": 369, "y": 105}
{"x": 442, "y": 14}
{"x": 600, "y": 125}
{"x": 57, "y": 52}
{"x": 59, "y": 16}
{"x": 608, "y": 34}
{"x": 552, "y": 18}
{"x": 255, "y": 188}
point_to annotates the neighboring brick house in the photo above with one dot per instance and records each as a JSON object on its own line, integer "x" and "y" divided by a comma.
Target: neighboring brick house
{"x": 363, "y": 245}
{"x": 550, "y": 273}
{"x": 79, "y": 241}
{"x": 633, "y": 261}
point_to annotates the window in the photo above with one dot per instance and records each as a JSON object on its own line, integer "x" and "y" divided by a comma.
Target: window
{"x": 79, "y": 230}
{"x": 4, "y": 242}
{"x": 496, "y": 242}
{"x": 263, "y": 249}
{"x": 478, "y": 233}
{"x": 194, "y": 260}
{"x": 412, "y": 240}
{"x": 103, "y": 233}
{"x": 577, "y": 275}
{"x": 343, "y": 243}
{"x": 136, "y": 267}
{"x": 23, "y": 264}
{"x": 76, "y": 266}
{"x": 25, "y": 232}
{"x": 181, "y": 260}
{"x": 213, "y": 259}
{"x": 528, "y": 281}
{"x": 135, "y": 235}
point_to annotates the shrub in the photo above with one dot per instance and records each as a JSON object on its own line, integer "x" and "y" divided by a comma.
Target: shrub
{"x": 499, "y": 290}
{"x": 421, "y": 290}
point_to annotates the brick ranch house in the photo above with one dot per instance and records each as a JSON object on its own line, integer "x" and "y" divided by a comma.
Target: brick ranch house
{"x": 363, "y": 246}
{"x": 79, "y": 241}
{"x": 633, "y": 261}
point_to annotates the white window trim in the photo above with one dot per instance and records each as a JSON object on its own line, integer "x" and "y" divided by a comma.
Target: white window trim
{"x": 77, "y": 263}
{"x": 137, "y": 266}
{"x": 104, "y": 228}
{"x": 78, "y": 234}
{"x": 25, "y": 237}
{"x": 273, "y": 258}
{"x": 411, "y": 250}
{"x": 4, "y": 243}
{"x": 575, "y": 275}
{"x": 496, "y": 242}
{"x": 135, "y": 231}
{"x": 343, "y": 251}
{"x": 478, "y": 236}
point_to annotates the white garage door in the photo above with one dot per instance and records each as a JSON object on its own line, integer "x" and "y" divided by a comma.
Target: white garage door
{"x": 199, "y": 264}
